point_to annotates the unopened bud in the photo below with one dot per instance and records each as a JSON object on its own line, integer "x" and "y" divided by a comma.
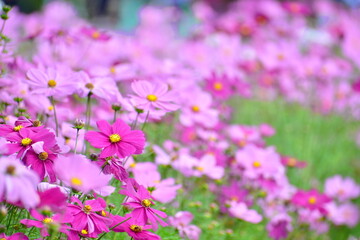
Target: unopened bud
{"x": 79, "y": 124}
{"x": 116, "y": 107}
{"x": 6, "y": 8}
{"x": 36, "y": 123}
{"x": 4, "y": 16}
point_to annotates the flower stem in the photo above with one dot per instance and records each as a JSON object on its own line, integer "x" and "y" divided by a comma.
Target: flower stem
{"x": 133, "y": 126}
{"x": 76, "y": 140}
{"x": 88, "y": 111}
{"x": 115, "y": 112}
{"x": 146, "y": 119}
{"x": 115, "y": 227}
{"x": 55, "y": 116}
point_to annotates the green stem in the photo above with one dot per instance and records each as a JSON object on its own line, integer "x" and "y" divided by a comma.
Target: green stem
{"x": 55, "y": 116}
{"x": 88, "y": 111}
{"x": 115, "y": 112}
{"x": 146, "y": 118}
{"x": 133, "y": 126}
{"x": 76, "y": 140}
{"x": 114, "y": 227}
{"x": 2, "y": 27}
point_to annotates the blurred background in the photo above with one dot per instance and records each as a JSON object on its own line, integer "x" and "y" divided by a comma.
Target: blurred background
{"x": 123, "y": 14}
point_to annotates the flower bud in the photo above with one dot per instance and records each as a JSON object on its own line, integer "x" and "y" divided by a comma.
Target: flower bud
{"x": 4, "y": 16}
{"x": 79, "y": 124}
{"x": 6, "y": 8}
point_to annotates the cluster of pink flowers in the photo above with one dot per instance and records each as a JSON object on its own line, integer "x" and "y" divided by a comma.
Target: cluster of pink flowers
{"x": 64, "y": 173}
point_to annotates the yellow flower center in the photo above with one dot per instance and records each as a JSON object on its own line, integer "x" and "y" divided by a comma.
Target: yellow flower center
{"x": 26, "y": 141}
{"x": 312, "y": 200}
{"x": 280, "y": 56}
{"x": 201, "y": 169}
{"x": 151, "y": 98}
{"x": 76, "y": 181}
{"x": 132, "y": 165}
{"x": 103, "y": 213}
{"x": 43, "y": 155}
{"x": 52, "y": 83}
{"x": 218, "y": 86}
{"x": 95, "y": 35}
{"x": 242, "y": 143}
{"x": 256, "y": 164}
{"x": 84, "y": 232}
{"x": 48, "y": 220}
{"x": 146, "y": 203}
{"x": 112, "y": 70}
{"x": 51, "y": 107}
{"x": 89, "y": 86}
{"x": 195, "y": 108}
{"x": 136, "y": 228}
{"x": 17, "y": 128}
{"x": 87, "y": 209}
{"x": 10, "y": 170}
{"x": 291, "y": 162}
{"x": 114, "y": 138}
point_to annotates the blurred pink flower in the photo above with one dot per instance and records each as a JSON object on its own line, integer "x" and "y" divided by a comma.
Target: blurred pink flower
{"x": 80, "y": 173}
{"x": 18, "y": 183}
{"x": 152, "y": 96}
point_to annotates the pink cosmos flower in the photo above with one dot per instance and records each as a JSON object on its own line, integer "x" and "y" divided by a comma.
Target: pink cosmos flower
{"x": 219, "y": 85}
{"x": 50, "y": 82}
{"x": 292, "y": 162}
{"x": 45, "y": 223}
{"x": 240, "y": 210}
{"x": 135, "y": 229}
{"x": 198, "y": 110}
{"x": 80, "y": 173}
{"x": 279, "y": 226}
{"x": 153, "y": 96}
{"x": 23, "y": 140}
{"x": 52, "y": 199}
{"x": 341, "y": 188}
{"x": 311, "y": 199}
{"x": 344, "y": 214}
{"x": 181, "y": 221}
{"x": 112, "y": 165}
{"x": 163, "y": 191}
{"x": 102, "y": 87}
{"x": 17, "y": 183}
{"x": 89, "y": 218}
{"x": 259, "y": 162}
{"x": 16, "y": 236}
{"x": 95, "y": 34}
{"x": 140, "y": 201}
{"x": 41, "y": 160}
{"x": 116, "y": 139}
{"x": 207, "y": 166}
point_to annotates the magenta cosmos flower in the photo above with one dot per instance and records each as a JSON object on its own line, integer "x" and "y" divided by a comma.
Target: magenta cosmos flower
{"x": 80, "y": 173}
{"x": 22, "y": 141}
{"x": 133, "y": 228}
{"x": 310, "y": 199}
{"x": 153, "y": 95}
{"x": 140, "y": 201}
{"x": 89, "y": 218}
{"x": 16, "y": 236}
{"x": 116, "y": 139}
{"x": 17, "y": 183}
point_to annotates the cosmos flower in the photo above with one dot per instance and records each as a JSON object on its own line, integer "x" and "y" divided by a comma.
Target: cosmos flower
{"x": 50, "y": 82}
{"x": 116, "y": 139}
{"x": 80, "y": 173}
{"x": 311, "y": 199}
{"x": 89, "y": 218}
{"x": 342, "y": 188}
{"x": 152, "y": 96}
{"x": 140, "y": 201}
{"x": 18, "y": 183}
{"x": 135, "y": 229}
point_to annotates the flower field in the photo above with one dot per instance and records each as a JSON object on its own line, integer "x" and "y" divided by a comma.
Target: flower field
{"x": 245, "y": 128}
